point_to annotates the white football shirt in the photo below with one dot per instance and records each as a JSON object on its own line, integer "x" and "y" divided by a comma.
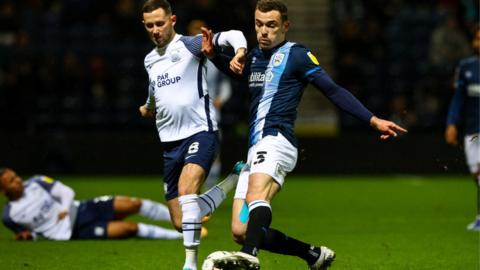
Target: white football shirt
{"x": 178, "y": 89}
{"x": 38, "y": 208}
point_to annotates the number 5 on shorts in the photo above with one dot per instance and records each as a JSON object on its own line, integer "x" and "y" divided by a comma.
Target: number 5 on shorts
{"x": 260, "y": 157}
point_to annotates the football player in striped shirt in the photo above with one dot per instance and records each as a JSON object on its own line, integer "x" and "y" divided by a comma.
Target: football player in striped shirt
{"x": 42, "y": 206}
{"x": 179, "y": 99}
{"x": 465, "y": 108}
{"x": 277, "y": 72}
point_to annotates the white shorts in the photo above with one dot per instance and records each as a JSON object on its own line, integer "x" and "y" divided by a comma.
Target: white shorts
{"x": 472, "y": 152}
{"x": 272, "y": 155}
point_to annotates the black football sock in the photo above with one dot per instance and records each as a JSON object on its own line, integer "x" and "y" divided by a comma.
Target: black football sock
{"x": 259, "y": 221}
{"x": 277, "y": 242}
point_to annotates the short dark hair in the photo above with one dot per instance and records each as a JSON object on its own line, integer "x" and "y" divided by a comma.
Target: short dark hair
{"x": 151, "y": 5}
{"x": 269, "y": 5}
{"x": 2, "y": 171}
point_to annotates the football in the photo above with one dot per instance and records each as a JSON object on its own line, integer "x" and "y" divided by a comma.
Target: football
{"x": 209, "y": 261}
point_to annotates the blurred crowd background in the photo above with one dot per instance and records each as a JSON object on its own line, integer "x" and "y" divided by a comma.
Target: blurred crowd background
{"x": 77, "y": 65}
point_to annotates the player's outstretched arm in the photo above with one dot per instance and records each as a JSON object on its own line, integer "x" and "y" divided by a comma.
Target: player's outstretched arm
{"x": 145, "y": 111}
{"x": 235, "y": 64}
{"x": 387, "y": 128}
{"x": 344, "y": 100}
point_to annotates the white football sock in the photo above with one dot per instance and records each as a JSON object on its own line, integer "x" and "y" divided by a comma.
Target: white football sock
{"x": 191, "y": 226}
{"x": 229, "y": 183}
{"x": 154, "y": 210}
{"x": 190, "y": 258}
{"x": 156, "y": 232}
{"x": 212, "y": 198}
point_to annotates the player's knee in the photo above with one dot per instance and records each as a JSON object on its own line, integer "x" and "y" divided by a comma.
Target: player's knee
{"x": 238, "y": 233}
{"x": 136, "y": 204}
{"x": 239, "y": 238}
{"x": 258, "y": 193}
{"x": 191, "y": 179}
{"x": 255, "y": 197}
{"x": 188, "y": 188}
{"x": 185, "y": 190}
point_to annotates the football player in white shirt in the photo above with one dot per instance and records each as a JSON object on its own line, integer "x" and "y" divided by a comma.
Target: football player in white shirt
{"x": 46, "y": 207}
{"x": 185, "y": 118}
{"x": 220, "y": 90}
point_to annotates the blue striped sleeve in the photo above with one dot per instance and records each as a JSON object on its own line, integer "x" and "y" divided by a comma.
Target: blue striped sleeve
{"x": 9, "y": 223}
{"x": 193, "y": 44}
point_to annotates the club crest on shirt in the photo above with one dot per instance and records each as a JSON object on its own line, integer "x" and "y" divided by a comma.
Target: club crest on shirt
{"x": 468, "y": 74}
{"x": 175, "y": 55}
{"x": 278, "y": 59}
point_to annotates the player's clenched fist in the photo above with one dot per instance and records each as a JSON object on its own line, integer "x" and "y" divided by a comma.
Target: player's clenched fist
{"x": 238, "y": 62}
{"x": 145, "y": 111}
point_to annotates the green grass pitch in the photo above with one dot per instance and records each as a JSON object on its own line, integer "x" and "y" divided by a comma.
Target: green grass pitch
{"x": 378, "y": 222}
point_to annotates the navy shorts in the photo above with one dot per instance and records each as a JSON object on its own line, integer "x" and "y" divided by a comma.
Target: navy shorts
{"x": 200, "y": 149}
{"x": 93, "y": 217}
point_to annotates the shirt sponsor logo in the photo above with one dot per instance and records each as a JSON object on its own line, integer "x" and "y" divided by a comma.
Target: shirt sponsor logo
{"x": 175, "y": 56}
{"x": 165, "y": 80}
{"x": 256, "y": 79}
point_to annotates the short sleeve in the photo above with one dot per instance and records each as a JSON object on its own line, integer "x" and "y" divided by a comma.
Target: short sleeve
{"x": 44, "y": 181}
{"x": 193, "y": 44}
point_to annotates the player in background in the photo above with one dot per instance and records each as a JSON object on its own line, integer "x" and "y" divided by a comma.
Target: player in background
{"x": 464, "y": 107}
{"x": 277, "y": 72}
{"x": 178, "y": 98}
{"x": 46, "y": 207}
{"x": 220, "y": 91}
